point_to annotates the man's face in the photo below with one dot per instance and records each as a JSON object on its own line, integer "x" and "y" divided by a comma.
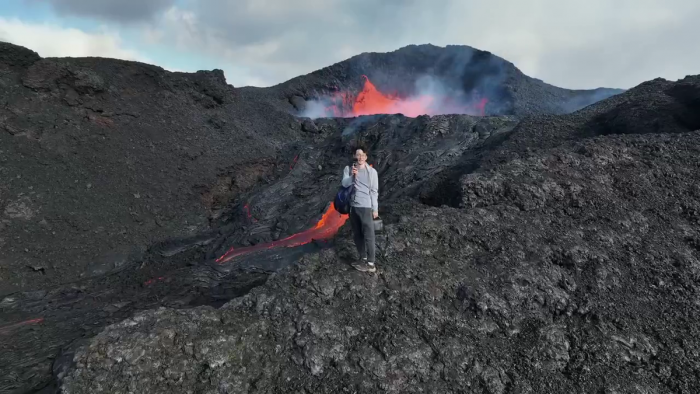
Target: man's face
{"x": 360, "y": 156}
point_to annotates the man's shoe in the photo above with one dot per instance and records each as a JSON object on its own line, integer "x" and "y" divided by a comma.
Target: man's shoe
{"x": 364, "y": 266}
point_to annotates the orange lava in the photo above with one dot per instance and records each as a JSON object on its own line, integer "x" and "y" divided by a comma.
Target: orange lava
{"x": 370, "y": 101}
{"x": 326, "y": 228}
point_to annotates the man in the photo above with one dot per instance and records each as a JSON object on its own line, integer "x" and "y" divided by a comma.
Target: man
{"x": 363, "y": 208}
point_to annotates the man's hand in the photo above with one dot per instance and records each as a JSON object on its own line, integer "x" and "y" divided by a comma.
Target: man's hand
{"x": 375, "y": 214}
{"x": 354, "y": 169}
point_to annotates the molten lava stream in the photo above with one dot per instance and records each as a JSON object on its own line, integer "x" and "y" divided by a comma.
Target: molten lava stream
{"x": 326, "y": 228}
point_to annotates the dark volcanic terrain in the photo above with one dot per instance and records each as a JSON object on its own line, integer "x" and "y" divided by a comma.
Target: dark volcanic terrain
{"x": 545, "y": 253}
{"x": 101, "y": 158}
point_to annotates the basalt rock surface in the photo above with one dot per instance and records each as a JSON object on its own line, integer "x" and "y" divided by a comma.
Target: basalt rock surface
{"x": 555, "y": 254}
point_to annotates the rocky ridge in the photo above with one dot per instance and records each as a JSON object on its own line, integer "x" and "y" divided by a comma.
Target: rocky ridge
{"x": 102, "y": 158}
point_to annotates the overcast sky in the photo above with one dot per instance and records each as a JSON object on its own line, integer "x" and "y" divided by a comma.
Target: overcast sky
{"x": 569, "y": 43}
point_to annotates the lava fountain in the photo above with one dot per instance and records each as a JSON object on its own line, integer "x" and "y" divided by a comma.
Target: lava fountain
{"x": 371, "y": 101}
{"x": 326, "y": 228}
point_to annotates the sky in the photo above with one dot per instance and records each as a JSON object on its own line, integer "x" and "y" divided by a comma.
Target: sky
{"x": 577, "y": 44}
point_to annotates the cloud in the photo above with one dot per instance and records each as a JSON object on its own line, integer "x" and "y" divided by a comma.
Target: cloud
{"x": 55, "y": 41}
{"x": 111, "y": 10}
{"x": 575, "y": 44}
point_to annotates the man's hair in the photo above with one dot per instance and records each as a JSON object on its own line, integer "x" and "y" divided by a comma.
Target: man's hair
{"x": 359, "y": 146}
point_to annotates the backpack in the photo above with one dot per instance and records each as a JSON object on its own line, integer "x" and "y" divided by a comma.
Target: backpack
{"x": 341, "y": 203}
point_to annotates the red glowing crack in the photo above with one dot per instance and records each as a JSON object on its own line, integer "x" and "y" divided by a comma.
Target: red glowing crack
{"x": 154, "y": 280}
{"x": 326, "y": 228}
{"x": 246, "y": 208}
{"x": 5, "y": 329}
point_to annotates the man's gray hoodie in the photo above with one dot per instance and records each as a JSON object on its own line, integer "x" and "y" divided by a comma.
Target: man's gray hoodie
{"x": 366, "y": 187}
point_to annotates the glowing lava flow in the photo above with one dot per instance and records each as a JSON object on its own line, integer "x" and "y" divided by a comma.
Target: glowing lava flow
{"x": 326, "y": 228}
{"x": 371, "y": 101}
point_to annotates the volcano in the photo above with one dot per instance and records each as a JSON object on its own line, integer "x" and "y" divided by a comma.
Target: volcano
{"x": 425, "y": 80}
{"x": 167, "y": 232}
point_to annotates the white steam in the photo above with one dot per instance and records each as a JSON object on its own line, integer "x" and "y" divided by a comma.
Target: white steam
{"x": 316, "y": 109}
{"x": 431, "y": 96}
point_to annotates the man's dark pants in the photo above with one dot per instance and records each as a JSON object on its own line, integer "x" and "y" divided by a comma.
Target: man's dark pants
{"x": 362, "y": 225}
